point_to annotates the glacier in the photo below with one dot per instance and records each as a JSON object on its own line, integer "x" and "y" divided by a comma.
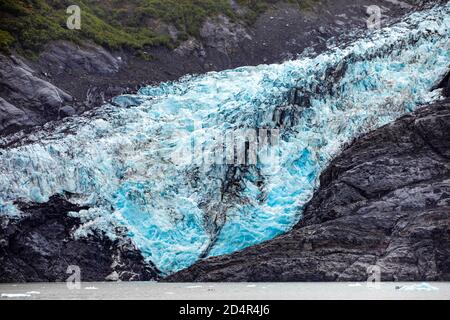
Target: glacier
{"x": 155, "y": 164}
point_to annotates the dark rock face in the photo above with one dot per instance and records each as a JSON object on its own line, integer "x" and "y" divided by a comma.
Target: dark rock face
{"x": 12, "y": 118}
{"x": 27, "y": 99}
{"x": 385, "y": 201}
{"x": 40, "y": 247}
{"x": 66, "y": 57}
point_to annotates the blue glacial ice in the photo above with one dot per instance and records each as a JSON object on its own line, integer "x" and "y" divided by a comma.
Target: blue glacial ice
{"x": 135, "y": 162}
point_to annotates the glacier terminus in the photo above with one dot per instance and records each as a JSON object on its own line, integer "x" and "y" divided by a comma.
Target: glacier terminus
{"x": 159, "y": 163}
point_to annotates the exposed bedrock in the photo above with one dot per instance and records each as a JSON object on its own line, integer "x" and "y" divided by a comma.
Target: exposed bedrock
{"x": 385, "y": 201}
{"x": 25, "y": 98}
{"x": 42, "y": 246}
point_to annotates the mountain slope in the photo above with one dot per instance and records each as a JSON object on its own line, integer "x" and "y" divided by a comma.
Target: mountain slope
{"x": 124, "y": 45}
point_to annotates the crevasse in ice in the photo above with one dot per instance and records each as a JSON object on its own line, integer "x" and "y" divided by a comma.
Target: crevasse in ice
{"x": 135, "y": 162}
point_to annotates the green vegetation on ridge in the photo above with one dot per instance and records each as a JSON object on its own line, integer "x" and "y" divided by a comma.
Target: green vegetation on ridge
{"x": 27, "y": 25}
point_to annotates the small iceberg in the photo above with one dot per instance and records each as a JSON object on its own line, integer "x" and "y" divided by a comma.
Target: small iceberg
{"x": 419, "y": 287}
{"x": 15, "y": 295}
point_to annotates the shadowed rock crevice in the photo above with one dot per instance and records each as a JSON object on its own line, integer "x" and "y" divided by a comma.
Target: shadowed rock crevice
{"x": 384, "y": 201}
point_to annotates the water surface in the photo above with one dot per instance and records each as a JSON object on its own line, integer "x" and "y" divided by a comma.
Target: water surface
{"x": 228, "y": 291}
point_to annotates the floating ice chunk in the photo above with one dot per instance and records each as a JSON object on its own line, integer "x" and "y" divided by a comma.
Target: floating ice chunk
{"x": 15, "y": 295}
{"x": 419, "y": 287}
{"x": 354, "y": 284}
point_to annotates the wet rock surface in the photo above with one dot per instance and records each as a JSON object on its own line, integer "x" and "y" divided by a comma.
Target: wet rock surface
{"x": 26, "y": 99}
{"x": 41, "y": 246}
{"x": 385, "y": 202}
